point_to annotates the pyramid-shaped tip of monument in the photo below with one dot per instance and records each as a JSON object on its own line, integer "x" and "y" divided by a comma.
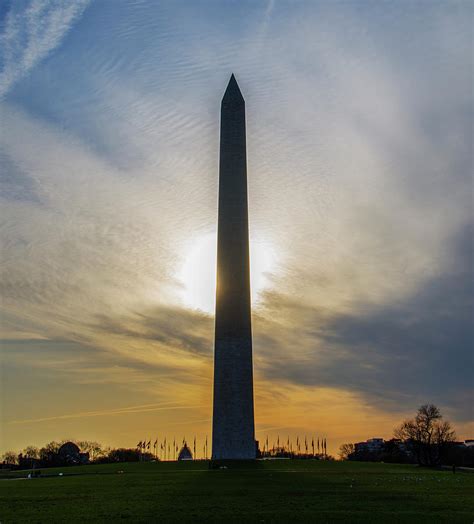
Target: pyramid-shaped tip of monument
{"x": 233, "y": 93}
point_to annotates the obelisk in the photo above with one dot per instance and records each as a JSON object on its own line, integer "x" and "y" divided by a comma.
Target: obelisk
{"x": 233, "y": 433}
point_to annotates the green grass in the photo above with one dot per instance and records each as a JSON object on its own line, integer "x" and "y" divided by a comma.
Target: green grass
{"x": 274, "y": 491}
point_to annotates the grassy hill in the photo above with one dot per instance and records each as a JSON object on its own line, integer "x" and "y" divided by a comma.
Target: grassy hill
{"x": 271, "y": 491}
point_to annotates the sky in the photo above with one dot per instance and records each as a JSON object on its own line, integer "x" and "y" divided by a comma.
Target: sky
{"x": 359, "y": 143}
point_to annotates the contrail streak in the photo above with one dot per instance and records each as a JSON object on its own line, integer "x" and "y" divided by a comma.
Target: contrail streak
{"x": 117, "y": 411}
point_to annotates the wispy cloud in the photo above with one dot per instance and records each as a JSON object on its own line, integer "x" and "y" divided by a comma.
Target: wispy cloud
{"x": 395, "y": 355}
{"x": 145, "y": 408}
{"x": 174, "y": 327}
{"x": 359, "y": 161}
{"x": 32, "y": 30}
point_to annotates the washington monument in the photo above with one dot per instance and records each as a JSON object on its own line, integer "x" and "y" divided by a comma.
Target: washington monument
{"x": 233, "y": 433}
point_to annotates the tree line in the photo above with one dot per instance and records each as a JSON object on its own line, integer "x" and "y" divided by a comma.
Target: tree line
{"x": 49, "y": 456}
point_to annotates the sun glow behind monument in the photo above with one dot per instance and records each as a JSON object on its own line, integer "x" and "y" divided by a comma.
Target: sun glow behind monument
{"x": 364, "y": 201}
{"x": 198, "y": 272}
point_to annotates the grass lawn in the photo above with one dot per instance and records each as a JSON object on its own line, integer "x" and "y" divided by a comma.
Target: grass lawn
{"x": 272, "y": 491}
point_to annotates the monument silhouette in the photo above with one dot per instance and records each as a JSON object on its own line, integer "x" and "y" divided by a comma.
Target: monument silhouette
{"x": 233, "y": 432}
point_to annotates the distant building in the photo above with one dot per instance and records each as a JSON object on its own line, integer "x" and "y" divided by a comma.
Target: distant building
{"x": 28, "y": 462}
{"x": 69, "y": 453}
{"x": 185, "y": 453}
{"x": 372, "y": 445}
{"x": 376, "y": 449}
{"x": 398, "y": 451}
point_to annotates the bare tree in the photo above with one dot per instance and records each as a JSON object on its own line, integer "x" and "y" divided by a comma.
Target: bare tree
{"x": 427, "y": 434}
{"x": 10, "y": 457}
{"x": 345, "y": 450}
{"x": 49, "y": 450}
{"x": 93, "y": 448}
{"x": 31, "y": 452}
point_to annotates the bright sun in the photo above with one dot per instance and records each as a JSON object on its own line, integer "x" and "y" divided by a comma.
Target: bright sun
{"x": 198, "y": 274}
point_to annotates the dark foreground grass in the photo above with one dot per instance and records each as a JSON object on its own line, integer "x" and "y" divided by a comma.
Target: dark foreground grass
{"x": 283, "y": 491}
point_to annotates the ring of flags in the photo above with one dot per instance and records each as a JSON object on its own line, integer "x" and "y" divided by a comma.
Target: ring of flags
{"x": 168, "y": 450}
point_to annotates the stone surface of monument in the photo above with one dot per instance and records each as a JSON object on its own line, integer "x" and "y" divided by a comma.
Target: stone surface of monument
{"x": 233, "y": 432}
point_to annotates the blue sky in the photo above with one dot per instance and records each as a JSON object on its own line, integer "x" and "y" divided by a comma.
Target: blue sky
{"x": 359, "y": 120}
